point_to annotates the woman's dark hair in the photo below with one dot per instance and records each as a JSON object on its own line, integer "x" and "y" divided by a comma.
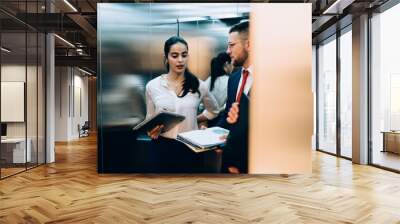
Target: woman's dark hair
{"x": 191, "y": 83}
{"x": 217, "y": 67}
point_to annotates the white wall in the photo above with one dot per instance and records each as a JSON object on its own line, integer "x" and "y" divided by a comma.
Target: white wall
{"x": 70, "y": 83}
{"x": 79, "y": 112}
{"x": 62, "y": 81}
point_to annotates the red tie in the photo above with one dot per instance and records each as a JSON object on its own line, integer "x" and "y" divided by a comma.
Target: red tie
{"x": 244, "y": 80}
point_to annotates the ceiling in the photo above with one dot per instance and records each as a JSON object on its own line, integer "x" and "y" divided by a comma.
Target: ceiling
{"x": 76, "y": 20}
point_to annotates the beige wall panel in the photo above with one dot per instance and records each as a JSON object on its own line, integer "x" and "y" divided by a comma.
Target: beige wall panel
{"x": 281, "y": 112}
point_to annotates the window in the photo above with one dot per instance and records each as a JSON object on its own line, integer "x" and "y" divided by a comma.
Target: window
{"x": 327, "y": 96}
{"x": 346, "y": 92}
{"x": 385, "y": 88}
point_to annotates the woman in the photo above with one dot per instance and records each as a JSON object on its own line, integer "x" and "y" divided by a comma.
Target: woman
{"x": 178, "y": 91}
{"x": 217, "y": 82}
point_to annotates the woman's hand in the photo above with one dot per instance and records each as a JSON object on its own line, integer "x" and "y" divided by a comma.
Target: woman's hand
{"x": 203, "y": 125}
{"x": 201, "y": 118}
{"x": 233, "y": 170}
{"x": 155, "y": 132}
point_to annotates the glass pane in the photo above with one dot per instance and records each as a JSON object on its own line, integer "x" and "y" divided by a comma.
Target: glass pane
{"x": 314, "y": 83}
{"x": 31, "y": 100}
{"x": 41, "y": 99}
{"x": 327, "y": 96}
{"x": 346, "y": 93}
{"x": 386, "y": 88}
{"x": 31, "y": 86}
{"x": 13, "y": 87}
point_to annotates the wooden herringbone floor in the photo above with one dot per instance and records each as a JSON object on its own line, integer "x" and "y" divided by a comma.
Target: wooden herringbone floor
{"x": 71, "y": 191}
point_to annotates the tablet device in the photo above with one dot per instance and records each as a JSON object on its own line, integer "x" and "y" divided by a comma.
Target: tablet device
{"x": 168, "y": 119}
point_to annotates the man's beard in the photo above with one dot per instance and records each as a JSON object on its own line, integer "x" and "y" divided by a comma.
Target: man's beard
{"x": 240, "y": 61}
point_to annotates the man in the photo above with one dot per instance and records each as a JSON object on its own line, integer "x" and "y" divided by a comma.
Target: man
{"x": 235, "y": 154}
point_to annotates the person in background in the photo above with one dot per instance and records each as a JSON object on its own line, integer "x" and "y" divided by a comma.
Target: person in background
{"x": 181, "y": 92}
{"x": 217, "y": 83}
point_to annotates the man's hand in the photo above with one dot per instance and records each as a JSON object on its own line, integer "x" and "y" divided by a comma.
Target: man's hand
{"x": 233, "y": 113}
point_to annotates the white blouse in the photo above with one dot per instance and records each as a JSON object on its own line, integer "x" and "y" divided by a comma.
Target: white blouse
{"x": 159, "y": 97}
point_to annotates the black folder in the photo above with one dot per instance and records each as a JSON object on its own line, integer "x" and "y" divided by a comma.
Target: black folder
{"x": 168, "y": 119}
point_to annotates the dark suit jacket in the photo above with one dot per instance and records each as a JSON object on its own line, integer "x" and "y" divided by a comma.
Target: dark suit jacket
{"x": 235, "y": 153}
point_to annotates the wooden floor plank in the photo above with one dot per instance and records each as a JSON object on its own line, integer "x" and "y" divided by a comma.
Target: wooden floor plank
{"x": 71, "y": 191}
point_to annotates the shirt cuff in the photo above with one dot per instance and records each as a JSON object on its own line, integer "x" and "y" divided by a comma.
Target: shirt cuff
{"x": 209, "y": 115}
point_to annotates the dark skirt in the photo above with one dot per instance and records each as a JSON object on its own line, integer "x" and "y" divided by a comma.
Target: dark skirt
{"x": 172, "y": 156}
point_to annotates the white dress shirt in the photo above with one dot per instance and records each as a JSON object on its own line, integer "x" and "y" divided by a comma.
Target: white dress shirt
{"x": 159, "y": 97}
{"x": 220, "y": 90}
{"x": 249, "y": 81}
